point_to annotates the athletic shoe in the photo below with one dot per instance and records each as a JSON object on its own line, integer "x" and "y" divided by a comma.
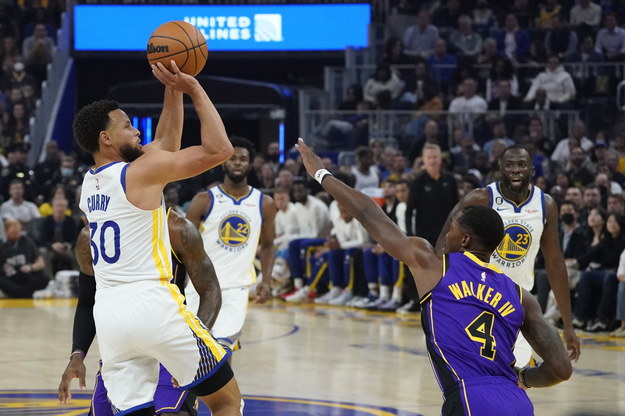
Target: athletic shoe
{"x": 342, "y": 299}
{"x": 552, "y": 314}
{"x": 597, "y": 326}
{"x": 390, "y": 305}
{"x": 353, "y": 301}
{"x": 332, "y": 293}
{"x": 409, "y": 308}
{"x": 578, "y": 323}
{"x": 363, "y": 303}
{"x": 298, "y": 297}
{"x": 618, "y": 332}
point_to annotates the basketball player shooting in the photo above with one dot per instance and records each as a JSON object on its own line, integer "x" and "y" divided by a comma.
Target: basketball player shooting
{"x": 140, "y": 317}
{"x": 471, "y": 311}
{"x": 531, "y": 223}
{"x": 188, "y": 255}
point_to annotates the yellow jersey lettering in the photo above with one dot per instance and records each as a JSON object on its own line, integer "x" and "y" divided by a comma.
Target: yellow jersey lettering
{"x": 489, "y": 293}
{"x": 455, "y": 290}
{"x": 465, "y": 289}
{"x": 495, "y": 300}
{"x": 506, "y": 309}
{"x": 480, "y": 291}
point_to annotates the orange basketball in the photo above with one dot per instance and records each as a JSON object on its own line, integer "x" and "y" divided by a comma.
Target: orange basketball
{"x": 181, "y": 42}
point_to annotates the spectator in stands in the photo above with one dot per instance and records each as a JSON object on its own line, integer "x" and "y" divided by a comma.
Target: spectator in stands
{"x": 18, "y": 125}
{"x": 579, "y": 175}
{"x": 524, "y": 12}
{"x": 446, "y": 16}
{"x": 58, "y": 235}
{"x": 353, "y": 95}
{"x": 601, "y": 281}
{"x": 22, "y": 265}
{"x": 466, "y": 109}
{"x": 365, "y": 172}
{"x": 441, "y": 65}
{"x": 17, "y": 207}
{"x": 501, "y": 70}
{"x": 465, "y": 41}
{"x": 18, "y": 77}
{"x": 503, "y": 102}
{"x": 17, "y": 155}
{"x": 537, "y": 137}
{"x": 431, "y": 134}
{"x": 489, "y": 52}
{"x": 616, "y": 204}
{"x": 171, "y": 194}
{"x": 513, "y": 41}
{"x": 10, "y": 54}
{"x": 585, "y": 13}
{"x": 578, "y": 133}
{"x": 272, "y": 154}
{"x": 464, "y": 69}
{"x": 419, "y": 39}
{"x": 59, "y": 191}
{"x": 557, "y": 83}
{"x": 415, "y": 82}
{"x": 37, "y": 51}
{"x": 611, "y": 39}
{"x": 546, "y": 12}
{"x": 605, "y": 183}
{"x": 267, "y": 177}
{"x": 69, "y": 175}
{"x": 612, "y": 159}
{"x": 586, "y": 52}
{"x": 575, "y": 194}
{"x": 394, "y": 55}
{"x": 540, "y": 102}
{"x": 285, "y": 180}
{"x": 45, "y": 170}
{"x": 499, "y": 134}
{"x": 591, "y": 199}
{"x": 384, "y": 79}
{"x": 560, "y": 40}
{"x": 484, "y": 18}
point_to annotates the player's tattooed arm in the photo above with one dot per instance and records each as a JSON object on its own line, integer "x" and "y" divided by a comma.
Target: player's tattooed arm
{"x": 188, "y": 245}
{"x": 83, "y": 252}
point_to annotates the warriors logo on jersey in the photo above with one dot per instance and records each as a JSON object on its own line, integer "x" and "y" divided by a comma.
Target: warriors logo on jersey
{"x": 515, "y": 244}
{"x": 234, "y": 231}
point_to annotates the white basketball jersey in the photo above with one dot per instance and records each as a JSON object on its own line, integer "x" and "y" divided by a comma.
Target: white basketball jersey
{"x": 128, "y": 244}
{"x": 523, "y": 225}
{"x": 231, "y": 231}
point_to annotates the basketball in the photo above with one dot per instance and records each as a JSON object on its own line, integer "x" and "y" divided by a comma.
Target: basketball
{"x": 181, "y": 42}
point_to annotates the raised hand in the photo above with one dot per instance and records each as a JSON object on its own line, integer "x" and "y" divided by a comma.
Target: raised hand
{"x": 312, "y": 162}
{"x": 174, "y": 78}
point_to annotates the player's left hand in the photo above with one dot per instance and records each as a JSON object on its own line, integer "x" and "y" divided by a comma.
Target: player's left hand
{"x": 312, "y": 162}
{"x": 263, "y": 292}
{"x": 572, "y": 343}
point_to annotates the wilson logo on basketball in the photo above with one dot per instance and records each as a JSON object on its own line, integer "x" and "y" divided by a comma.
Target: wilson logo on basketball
{"x": 157, "y": 48}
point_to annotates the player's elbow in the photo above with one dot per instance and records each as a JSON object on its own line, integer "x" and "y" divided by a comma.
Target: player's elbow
{"x": 225, "y": 150}
{"x": 565, "y": 370}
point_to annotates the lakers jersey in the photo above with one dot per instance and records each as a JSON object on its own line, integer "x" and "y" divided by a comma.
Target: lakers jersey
{"x": 471, "y": 320}
{"x": 128, "y": 244}
{"x": 231, "y": 231}
{"x": 523, "y": 228}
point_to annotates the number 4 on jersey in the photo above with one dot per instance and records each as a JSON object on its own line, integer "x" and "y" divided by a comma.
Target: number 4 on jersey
{"x": 481, "y": 330}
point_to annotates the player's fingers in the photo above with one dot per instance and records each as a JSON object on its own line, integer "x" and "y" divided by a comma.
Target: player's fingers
{"x": 174, "y": 67}
{"x": 81, "y": 381}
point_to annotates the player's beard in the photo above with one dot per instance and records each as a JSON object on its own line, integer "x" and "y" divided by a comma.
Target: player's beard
{"x": 130, "y": 153}
{"x": 237, "y": 178}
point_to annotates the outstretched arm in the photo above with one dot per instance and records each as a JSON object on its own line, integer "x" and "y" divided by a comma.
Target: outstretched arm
{"x": 186, "y": 242}
{"x": 84, "y": 324}
{"x": 267, "y": 249}
{"x": 416, "y": 253}
{"x": 475, "y": 197}
{"x": 557, "y": 275}
{"x": 544, "y": 339}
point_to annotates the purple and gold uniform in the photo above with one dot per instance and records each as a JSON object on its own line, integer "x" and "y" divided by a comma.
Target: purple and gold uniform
{"x": 471, "y": 320}
{"x": 167, "y": 398}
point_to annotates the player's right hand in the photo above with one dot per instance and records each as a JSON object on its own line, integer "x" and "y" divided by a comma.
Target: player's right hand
{"x": 175, "y": 79}
{"x": 75, "y": 369}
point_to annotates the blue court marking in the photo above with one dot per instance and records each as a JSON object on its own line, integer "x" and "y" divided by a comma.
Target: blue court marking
{"x": 293, "y": 330}
{"x": 40, "y": 403}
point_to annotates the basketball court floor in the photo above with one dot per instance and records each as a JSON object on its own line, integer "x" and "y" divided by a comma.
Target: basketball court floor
{"x": 297, "y": 360}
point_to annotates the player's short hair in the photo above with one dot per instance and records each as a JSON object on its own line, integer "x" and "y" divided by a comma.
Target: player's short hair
{"x": 238, "y": 141}
{"x": 431, "y": 146}
{"x": 515, "y": 147}
{"x": 363, "y": 151}
{"x": 402, "y": 182}
{"x": 484, "y": 225}
{"x": 90, "y": 121}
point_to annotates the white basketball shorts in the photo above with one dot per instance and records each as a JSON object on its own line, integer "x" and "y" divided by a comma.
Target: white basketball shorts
{"x": 141, "y": 324}
{"x": 229, "y": 324}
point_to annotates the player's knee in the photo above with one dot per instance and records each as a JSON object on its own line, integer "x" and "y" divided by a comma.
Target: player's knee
{"x": 216, "y": 383}
{"x": 146, "y": 411}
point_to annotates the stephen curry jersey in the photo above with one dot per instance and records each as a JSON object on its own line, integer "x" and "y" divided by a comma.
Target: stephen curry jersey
{"x": 471, "y": 320}
{"x": 523, "y": 226}
{"x": 128, "y": 244}
{"x": 231, "y": 231}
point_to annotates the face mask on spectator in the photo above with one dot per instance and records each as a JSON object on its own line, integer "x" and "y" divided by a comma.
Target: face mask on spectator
{"x": 66, "y": 172}
{"x": 18, "y": 67}
{"x": 567, "y": 218}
